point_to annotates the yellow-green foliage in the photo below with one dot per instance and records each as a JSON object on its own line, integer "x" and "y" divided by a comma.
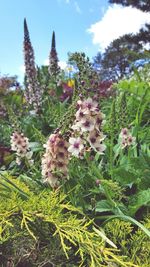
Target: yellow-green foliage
{"x": 140, "y": 246}
{"x": 134, "y": 244}
{"x": 119, "y": 231}
{"x": 48, "y": 215}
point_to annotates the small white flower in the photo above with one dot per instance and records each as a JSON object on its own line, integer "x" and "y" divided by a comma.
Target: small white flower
{"x": 76, "y": 126}
{"x": 123, "y": 143}
{"x": 101, "y": 148}
{"x": 90, "y": 104}
{"x": 88, "y": 124}
{"x": 131, "y": 140}
{"x": 76, "y": 146}
{"x": 81, "y": 113}
{"x": 95, "y": 139}
{"x": 124, "y": 133}
{"x": 80, "y": 103}
{"x": 18, "y": 161}
{"x": 20, "y": 144}
{"x": 126, "y": 139}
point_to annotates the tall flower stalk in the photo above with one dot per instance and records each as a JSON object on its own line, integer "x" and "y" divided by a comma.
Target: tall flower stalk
{"x": 33, "y": 92}
{"x": 20, "y": 144}
{"x": 54, "y": 69}
{"x": 55, "y": 160}
{"x": 87, "y": 129}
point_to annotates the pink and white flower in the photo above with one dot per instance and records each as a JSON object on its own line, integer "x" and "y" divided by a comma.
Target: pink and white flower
{"x": 88, "y": 124}
{"x": 101, "y": 148}
{"x": 126, "y": 139}
{"x": 131, "y": 140}
{"x": 81, "y": 114}
{"x": 90, "y": 104}
{"x": 124, "y": 133}
{"x": 77, "y": 126}
{"x": 99, "y": 120}
{"x": 76, "y": 146}
{"x": 20, "y": 144}
{"x": 55, "y": 160}
{"x": 95, "y": 139}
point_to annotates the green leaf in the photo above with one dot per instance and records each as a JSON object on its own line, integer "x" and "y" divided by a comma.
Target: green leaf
{"x": 103, "y": 206}
{"x": 139, "y": 200}
{"x": 104, "y": 237}
{"x": 35, "y": 146}
{"x": 10, "y": 185}
{"x": 124, "y": 176}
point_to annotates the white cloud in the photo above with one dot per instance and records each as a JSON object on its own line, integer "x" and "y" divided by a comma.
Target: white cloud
{"x": 62, "y": 64}
{"x": 22, "y": 69}
{"x": 77, "y": 8}
{"x": 116, "y": 22}
{"x": 46, "y": 62}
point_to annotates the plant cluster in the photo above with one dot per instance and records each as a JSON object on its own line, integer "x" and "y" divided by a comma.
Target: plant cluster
{"x": 74, "y": 167}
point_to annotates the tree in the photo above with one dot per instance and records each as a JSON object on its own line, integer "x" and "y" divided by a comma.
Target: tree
{"x": 117, "y": 60}
{"x": 143, "y": 5}
{"x": 119, "y": 56}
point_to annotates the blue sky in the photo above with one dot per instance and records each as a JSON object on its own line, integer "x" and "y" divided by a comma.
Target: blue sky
{"x": 69, "y": 19}
{"x": 79, "y": 25}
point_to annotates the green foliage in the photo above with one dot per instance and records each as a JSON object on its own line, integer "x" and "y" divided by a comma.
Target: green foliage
{"x": 117, "y": 60}
{"x": 120, "y": 233}
{"x": 138, "y": 200}
{"x": 5, "y": 132}
{"x": 103, "y": 203}
{"x": 48, "y": 215}
{"x": 134, "y": 244}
